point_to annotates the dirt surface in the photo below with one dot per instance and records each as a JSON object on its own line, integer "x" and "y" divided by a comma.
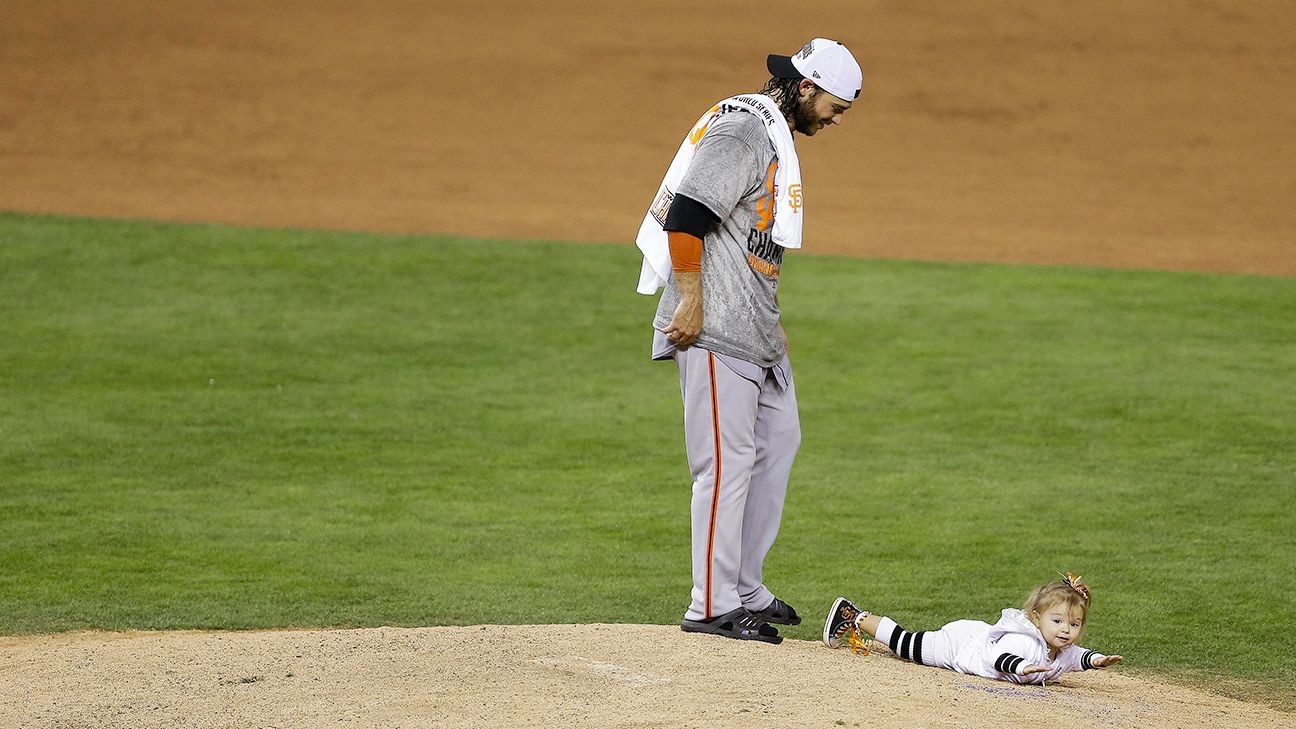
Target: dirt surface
{"x": 1115, "y": 134}
{"x": 1152, "y": 135}
{"x": 547, "y": 676}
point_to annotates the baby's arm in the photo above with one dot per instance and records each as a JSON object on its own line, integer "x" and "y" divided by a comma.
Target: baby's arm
{"x": 1079, "y": 658}
{"x": 1094, "y": 659}
{"x": 1014, "y": 655}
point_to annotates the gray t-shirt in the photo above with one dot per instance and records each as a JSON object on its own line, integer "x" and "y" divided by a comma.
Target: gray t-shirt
{"x": 732, "y": 173}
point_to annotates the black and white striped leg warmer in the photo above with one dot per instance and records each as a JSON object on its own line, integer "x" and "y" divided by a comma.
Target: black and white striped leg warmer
{"x": 901, "y": 642}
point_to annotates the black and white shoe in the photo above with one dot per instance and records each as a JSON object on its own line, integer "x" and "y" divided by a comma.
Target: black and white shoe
{"x": 840, "y": 621}
{"x": 741, "y": 624}
{"x": 779, "y": 612}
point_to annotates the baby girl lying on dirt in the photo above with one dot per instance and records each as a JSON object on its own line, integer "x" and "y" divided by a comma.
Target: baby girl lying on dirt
{"x": 1033, "y": 645}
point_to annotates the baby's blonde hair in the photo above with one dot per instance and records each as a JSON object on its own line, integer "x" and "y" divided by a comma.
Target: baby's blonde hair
{"x": 1069, "y": 592}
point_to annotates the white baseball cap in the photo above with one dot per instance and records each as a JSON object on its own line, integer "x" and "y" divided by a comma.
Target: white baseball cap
{"x": 824, "y": 61}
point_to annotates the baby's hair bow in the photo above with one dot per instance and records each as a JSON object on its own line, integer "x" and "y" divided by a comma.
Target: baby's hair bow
{"x": 1073, "y": 581}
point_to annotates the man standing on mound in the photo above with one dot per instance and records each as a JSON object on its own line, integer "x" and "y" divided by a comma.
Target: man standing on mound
{"x": 714, "y": 237}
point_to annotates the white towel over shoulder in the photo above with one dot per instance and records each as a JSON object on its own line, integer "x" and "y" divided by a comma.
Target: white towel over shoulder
{"x": 788, "y": 196}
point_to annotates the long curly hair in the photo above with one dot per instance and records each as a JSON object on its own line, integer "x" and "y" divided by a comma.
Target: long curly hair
{"x": 784, "y": 93}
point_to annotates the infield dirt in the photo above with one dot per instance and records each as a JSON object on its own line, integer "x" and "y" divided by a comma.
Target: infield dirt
{"x": 547, "y": 676}
{"x": 1148, "y": 135}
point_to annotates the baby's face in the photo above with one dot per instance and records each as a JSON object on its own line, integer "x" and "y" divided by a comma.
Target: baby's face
{"x": 1060, "y": 625}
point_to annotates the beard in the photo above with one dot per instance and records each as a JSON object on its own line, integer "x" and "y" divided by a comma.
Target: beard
{"x": 804, "y": 119}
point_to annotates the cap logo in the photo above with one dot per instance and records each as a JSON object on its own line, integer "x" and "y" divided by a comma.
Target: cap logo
{"x": 815, "y": 74}
{"x": 806, "y": 50}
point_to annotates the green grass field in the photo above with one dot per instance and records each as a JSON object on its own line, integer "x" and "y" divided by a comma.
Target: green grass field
{"x": 213, "y": 427}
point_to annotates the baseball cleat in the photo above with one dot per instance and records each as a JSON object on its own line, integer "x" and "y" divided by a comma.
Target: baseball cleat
{"x": 779, "y": 612}
{"x": 840, "y": 621}
{"x": 741, "y": 624}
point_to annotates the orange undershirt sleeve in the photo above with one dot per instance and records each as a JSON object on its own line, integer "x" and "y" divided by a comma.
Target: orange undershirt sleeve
{"x": 685, "y": 251}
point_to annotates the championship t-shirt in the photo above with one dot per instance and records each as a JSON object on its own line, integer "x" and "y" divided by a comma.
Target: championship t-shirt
{"x": 732, "y": 173}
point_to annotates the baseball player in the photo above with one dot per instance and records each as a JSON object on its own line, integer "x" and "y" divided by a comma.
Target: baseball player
{"x": 713, "y": 238}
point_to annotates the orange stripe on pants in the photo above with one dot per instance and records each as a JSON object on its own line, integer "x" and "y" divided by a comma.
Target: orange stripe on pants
{"x": 715, "y": 492}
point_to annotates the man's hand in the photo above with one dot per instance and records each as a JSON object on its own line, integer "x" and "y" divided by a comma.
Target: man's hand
{"x": 1106, "y": 661}
{"x": 1032, "y": 668}
{"x": 686, "y": 323}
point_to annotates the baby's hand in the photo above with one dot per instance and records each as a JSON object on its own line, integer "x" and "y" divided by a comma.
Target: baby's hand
{"x": 1032, "y": 668}
{"x": 1108, "y": 661}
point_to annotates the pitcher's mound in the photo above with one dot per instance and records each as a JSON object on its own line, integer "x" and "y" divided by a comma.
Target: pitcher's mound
{"x": 545, "y": 676}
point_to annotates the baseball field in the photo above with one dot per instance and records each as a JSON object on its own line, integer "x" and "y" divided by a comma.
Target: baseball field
{"x": 325, "y": 396}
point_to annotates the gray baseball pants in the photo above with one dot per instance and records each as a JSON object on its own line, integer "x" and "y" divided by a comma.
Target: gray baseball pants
{"x": 741, "y": 437}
